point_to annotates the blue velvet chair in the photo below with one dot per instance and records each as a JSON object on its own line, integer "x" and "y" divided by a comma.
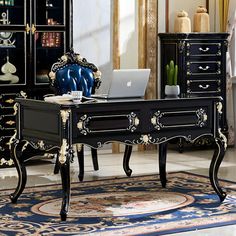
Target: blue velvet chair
{"x": 72, "y": 73}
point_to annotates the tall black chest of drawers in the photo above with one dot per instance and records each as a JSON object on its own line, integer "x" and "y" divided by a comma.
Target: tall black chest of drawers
{"x": 201, "y": 60}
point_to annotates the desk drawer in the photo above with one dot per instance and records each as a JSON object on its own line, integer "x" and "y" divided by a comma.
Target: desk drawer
{"x": 94, "y": 124}
{"x": 182, "y": 120}
{"x": 203, "y": 49}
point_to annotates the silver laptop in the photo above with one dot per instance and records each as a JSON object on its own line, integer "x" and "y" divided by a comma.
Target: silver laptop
{"x": 127, "y": 83}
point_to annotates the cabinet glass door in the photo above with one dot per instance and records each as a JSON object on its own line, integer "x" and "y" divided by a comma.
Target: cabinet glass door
{"x": 12, "y": 59}
{"x": 49, "y": 18}
{"x": 49, "y": 46}
{"x": 49, "y": 12}
{"x": 13, "y": 42}
{"x": 12, "y": 12}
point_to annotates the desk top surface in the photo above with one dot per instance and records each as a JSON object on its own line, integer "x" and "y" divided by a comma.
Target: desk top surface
{"x": 115, "y": 101}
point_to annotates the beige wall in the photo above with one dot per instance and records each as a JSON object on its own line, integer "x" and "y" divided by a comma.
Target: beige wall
{"x": 128, "y": 34}
{"x": 232, "y": 7}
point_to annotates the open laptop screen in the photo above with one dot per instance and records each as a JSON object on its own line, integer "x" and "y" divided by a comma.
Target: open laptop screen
{"x": 127, "y": 83}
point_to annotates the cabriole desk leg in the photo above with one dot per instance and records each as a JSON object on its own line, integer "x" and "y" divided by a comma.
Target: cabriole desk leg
{"x": 65, "y": 156}
{"x": 65, "y": 178}
{"x": 214, "y": 166}
{"x": 127, "y": 154}
{"x": 80, "y": 155}
{"x": 162, "y": 163}
{"x": 16, "y": 155}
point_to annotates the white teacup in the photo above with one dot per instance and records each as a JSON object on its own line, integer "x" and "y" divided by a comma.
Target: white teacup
{"x": 77, "y": 95}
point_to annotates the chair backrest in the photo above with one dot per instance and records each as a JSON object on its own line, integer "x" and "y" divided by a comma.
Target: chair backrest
{"x": 72, "y": 72}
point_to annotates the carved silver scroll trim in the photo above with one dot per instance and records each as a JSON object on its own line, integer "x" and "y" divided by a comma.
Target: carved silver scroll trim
{"x": 65, "y": 116}
{"x": 200, "y": 122}
{"x": 3, "y": 144}
{"x": 81, "y": 125}
{"x": 223, "y": 138}
{"x": 148, "y": 139}
{"x": 6, "y": 162}
{"x": 39, "y": 145}
{"x": 219, "y": 107}
{"x": 84, "y": 120}
{"x": 15, "y": 107}
{"x": 63, "y": 151}
{"x": 133, "y": 121}
{"x": 13, "y": 137}
{"x": 23, "y": 94}
{"x": 201, "y": 117}
{"x": 181, "y": 46}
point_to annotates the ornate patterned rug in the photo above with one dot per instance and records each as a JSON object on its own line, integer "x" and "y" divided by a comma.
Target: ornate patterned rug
{"x": 121, "y": 206}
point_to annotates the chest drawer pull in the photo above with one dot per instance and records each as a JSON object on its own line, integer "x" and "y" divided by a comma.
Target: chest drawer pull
{"x": 204, "y": 87}
{"x": 10, "y": 122}
{"x": 206, "y": 68}
{"x": 10, "y": 101}
{"x": 204, "y": 50}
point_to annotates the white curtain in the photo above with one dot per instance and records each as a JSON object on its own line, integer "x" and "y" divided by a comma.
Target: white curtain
{"x": 231, "y": 72}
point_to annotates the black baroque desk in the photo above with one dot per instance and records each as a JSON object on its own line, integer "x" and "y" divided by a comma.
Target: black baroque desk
{"x": 51, "y": 127}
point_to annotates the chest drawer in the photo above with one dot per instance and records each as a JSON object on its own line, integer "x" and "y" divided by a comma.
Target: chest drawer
{"x": 7, "y": 122}
{"x": 203, "y": 68}
{"x": 203, "y": 49}
{"x": 7, "y": 100}
{"x": 203, "y": 86}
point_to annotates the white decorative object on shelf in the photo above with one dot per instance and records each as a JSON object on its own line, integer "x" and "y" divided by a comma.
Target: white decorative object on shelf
{"x": 5, "y": 37}
{"x": 8, "y": 69}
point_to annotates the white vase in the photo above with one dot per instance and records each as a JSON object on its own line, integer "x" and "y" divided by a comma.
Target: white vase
{"x": 172, "y": 91}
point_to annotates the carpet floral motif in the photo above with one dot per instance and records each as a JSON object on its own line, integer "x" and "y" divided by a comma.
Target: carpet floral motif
{"x": 121, "y": 206}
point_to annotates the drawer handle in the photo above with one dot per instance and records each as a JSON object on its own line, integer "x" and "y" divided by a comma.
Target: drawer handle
{"x": 10, "y": 101}
{"x": 204, "y": 87}
{"x": 201, "y": 68}
{"x": 204, "y": 50}
{"x": 10, "y": 122}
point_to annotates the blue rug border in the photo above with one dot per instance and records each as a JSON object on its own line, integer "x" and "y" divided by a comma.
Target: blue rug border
{"x": 176, "y": 231}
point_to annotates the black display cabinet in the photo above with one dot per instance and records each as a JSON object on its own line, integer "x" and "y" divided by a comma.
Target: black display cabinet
{"x": 33, "y": 35}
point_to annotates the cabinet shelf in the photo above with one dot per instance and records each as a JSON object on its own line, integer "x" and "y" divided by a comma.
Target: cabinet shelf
{"x": 48, "y": 48}
{"x": 11, "y": 7}
{"x": 53, "y": 8}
